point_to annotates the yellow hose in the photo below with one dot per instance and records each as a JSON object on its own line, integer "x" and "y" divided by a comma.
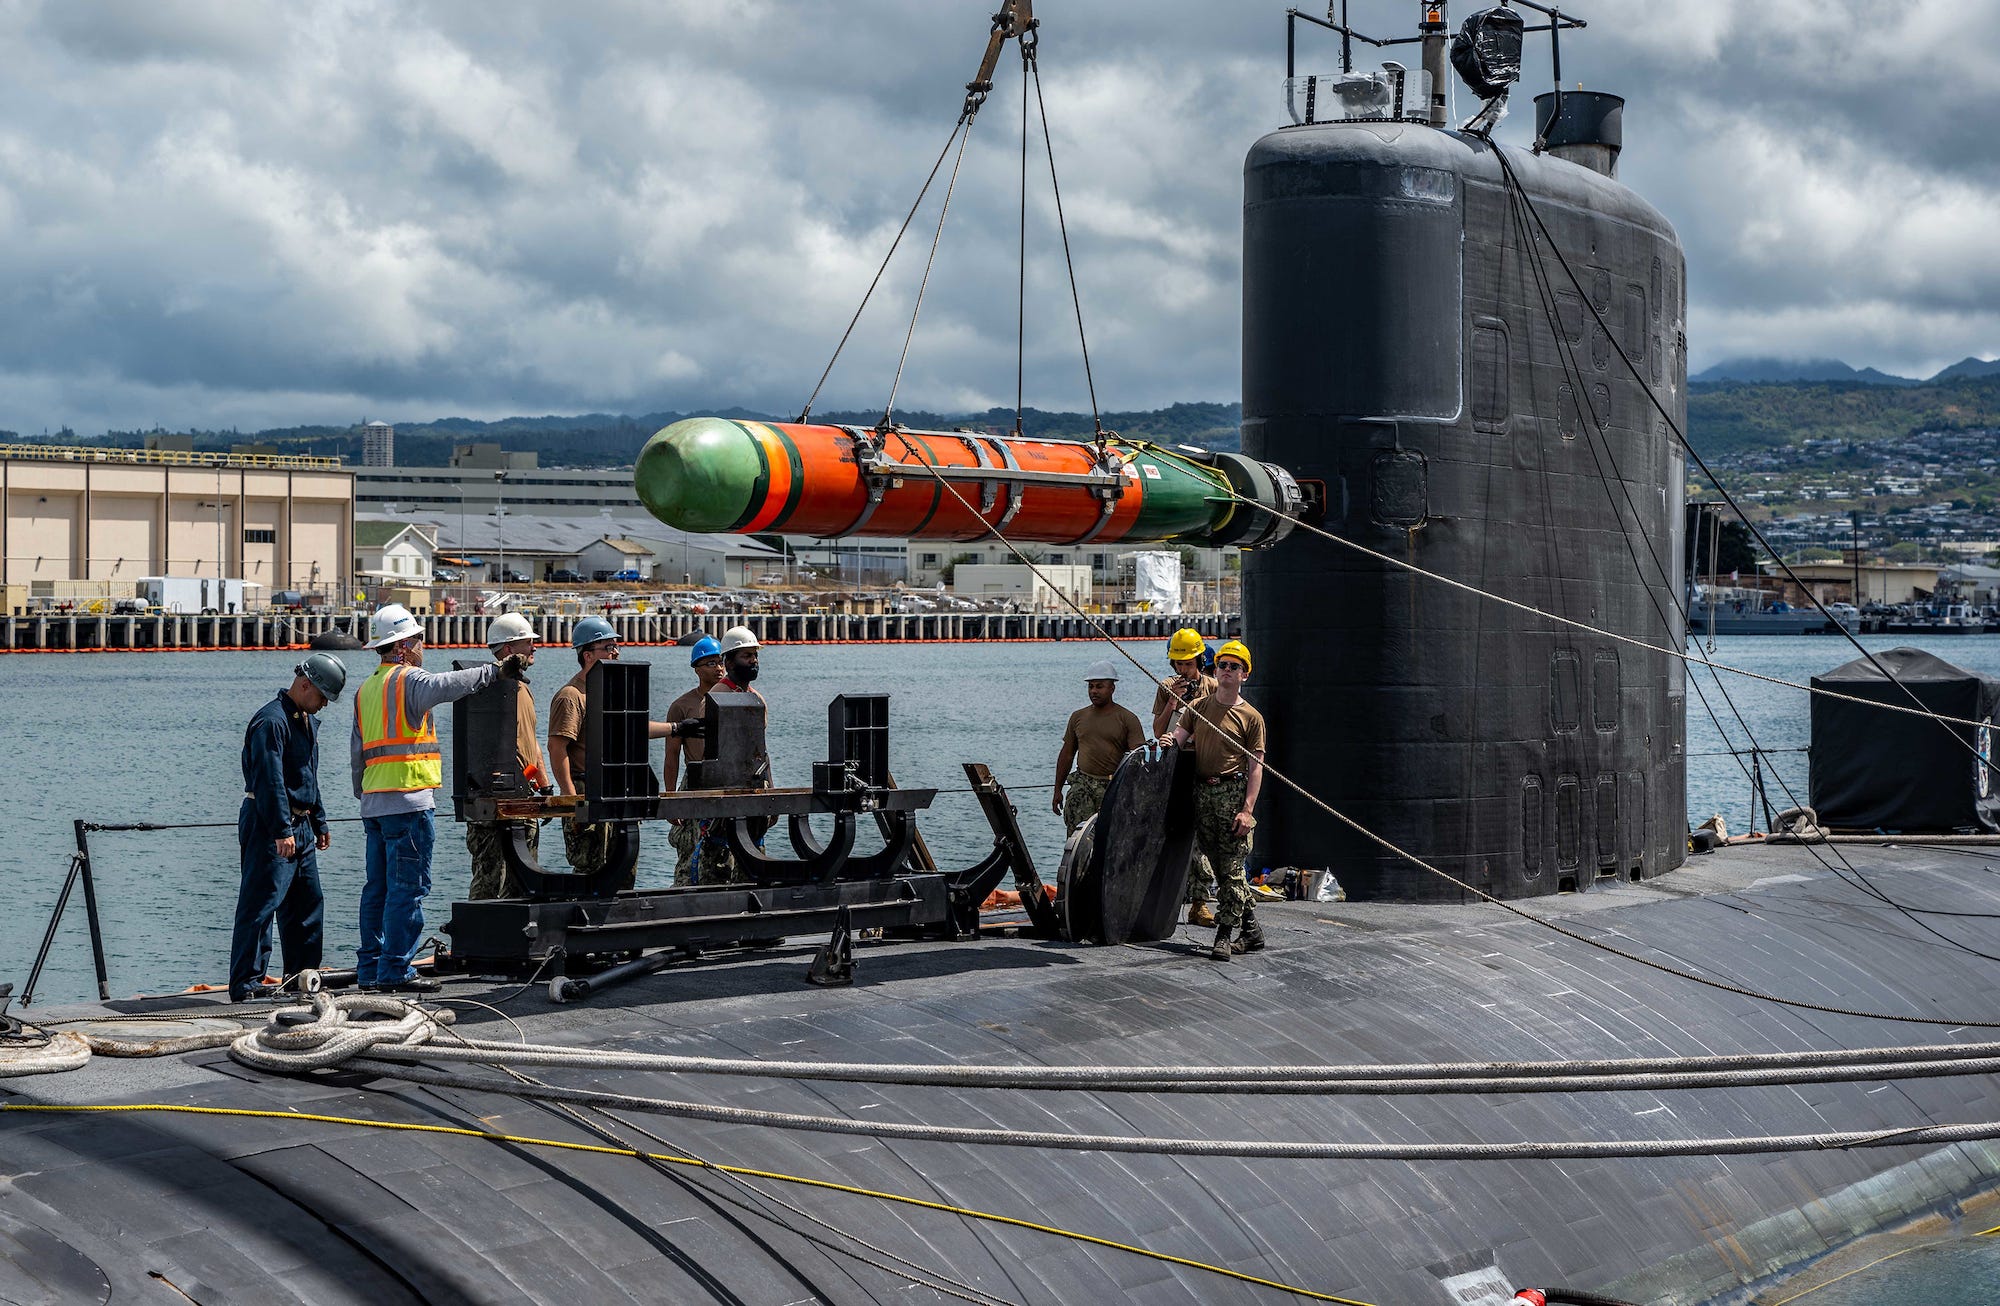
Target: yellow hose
{"x": 669, "y": 1158}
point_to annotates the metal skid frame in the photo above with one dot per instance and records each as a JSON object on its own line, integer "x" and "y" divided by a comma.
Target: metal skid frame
{"x": 579, "y": 923}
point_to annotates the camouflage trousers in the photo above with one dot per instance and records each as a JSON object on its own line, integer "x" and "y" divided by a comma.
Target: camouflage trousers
{"x": 704, "y": 855}
{"x": 1201, "y": 878}
{"x": 588, "y": 848}
{"x": 1215, "y": 809}
{"x": 1082, "y": 801}
{"x": 490, "y": 876}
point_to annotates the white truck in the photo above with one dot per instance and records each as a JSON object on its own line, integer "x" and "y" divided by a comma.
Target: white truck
{"x": 201, "y": 594}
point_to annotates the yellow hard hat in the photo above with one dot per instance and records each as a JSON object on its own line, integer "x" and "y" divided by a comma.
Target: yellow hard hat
{"x": 1186, "y": 643}
{"x": 1237, "y": 649}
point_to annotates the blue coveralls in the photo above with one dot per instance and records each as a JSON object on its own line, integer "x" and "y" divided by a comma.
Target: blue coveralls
{"x": 281, "y": 796}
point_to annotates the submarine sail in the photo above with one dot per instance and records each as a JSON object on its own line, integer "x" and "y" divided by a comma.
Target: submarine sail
{"x": 1409, "y": 348}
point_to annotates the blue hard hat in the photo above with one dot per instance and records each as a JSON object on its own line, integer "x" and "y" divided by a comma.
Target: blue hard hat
{"x": 590, "y": 630}
{"x": 705, "y": 647}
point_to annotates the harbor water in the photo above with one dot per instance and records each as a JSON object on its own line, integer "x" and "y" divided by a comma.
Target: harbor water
{"x": 158, "y": 736}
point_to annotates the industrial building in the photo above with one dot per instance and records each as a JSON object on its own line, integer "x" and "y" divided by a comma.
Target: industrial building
{"x": 111, "y": 516}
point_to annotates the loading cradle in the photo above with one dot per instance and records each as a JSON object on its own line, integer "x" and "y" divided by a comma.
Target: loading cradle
{"x": 569, "y": 922}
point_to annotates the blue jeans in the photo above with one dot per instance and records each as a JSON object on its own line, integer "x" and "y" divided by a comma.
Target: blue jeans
{"x": 273, "y": 886}
{"x": 392, "y": 897}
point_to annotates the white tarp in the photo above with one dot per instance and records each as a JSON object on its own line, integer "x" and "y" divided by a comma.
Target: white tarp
{"x": 1156, "y": 581}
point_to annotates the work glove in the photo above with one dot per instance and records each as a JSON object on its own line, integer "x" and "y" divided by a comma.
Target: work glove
{"x": 514, "y": 667}
{"x": 693, "y": 727}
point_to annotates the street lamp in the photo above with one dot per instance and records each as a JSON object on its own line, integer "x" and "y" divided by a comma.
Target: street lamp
{"x": 499, "y": 520}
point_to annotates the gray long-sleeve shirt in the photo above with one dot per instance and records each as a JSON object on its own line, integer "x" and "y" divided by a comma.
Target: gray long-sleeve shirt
{"x": 422, "y": 691}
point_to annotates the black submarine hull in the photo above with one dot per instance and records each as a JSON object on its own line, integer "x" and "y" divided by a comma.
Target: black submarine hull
{"x": 296, "y": 1206}
{"x": 1466, "y": 417}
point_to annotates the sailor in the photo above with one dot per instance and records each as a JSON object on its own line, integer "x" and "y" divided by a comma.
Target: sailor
{"x": 509, "y": 635}
{"x": 397, "y": 769}
{"x": 1186, "y": 652}
{"x": 705, "y": 657}
{"x": 281, "y": 830}
{"x": 714, "y": 862}
{"x": 1227, "y": 736}
{"x": 1096, "y": 740}
{"x": 586, "y": 844}
{"x": 1184, "y": 655}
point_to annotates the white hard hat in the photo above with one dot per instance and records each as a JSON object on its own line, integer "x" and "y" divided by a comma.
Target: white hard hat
{"x": 508, "y": 627}
{"x": 392, "y": 622}
{"x": 738, "y": 637}
{"x": 1102, "y": 669}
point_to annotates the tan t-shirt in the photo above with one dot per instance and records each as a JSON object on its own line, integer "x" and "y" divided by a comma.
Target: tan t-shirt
{"x": 1207, "y": 720}
{"x": 566, "y": 727}
{"x": 526, "y": 744}
{"x": 691, "y": 704}
{"x": 1102, "y": 737}
{"x": 1204, "y": 685}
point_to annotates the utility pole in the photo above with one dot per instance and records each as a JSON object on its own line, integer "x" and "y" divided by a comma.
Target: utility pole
{"x": 1854, "y": 526}
{"x": 500, "y": 522}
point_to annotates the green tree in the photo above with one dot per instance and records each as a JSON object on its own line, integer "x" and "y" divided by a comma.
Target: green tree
{"x": 950, "y": 568}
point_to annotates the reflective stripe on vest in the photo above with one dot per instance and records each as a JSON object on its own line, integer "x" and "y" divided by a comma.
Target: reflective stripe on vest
{"x": 396, "y": 756}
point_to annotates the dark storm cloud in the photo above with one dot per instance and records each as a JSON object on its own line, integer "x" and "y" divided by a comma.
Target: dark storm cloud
{"x": 221, "y": 212}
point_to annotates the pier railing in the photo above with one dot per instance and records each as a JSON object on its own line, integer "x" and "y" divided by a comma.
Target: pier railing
{"x": 95, "y": 632}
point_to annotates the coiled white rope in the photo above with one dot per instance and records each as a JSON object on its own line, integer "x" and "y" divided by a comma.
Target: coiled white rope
{"x": 290, "y": 1045}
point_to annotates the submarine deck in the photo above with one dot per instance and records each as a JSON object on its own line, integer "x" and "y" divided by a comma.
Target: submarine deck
{"x": 236, "y": 1208}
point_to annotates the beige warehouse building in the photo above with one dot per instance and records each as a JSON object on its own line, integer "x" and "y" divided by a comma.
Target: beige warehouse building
{"x": 115, "y": 515}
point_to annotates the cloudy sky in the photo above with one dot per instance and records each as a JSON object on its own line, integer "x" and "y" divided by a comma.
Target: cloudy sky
{"x": 238, "y": 213}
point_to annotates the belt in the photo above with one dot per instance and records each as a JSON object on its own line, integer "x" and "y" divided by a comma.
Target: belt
{"x": 1234, "y": 777}
{"x": 298, "y": 813}
{"x": 1101, "y": 779}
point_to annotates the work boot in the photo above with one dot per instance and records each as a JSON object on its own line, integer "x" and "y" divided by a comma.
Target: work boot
{"x": 1199, "y": 914}
{"x": 1221, "y": 950}
{"x": 1252, "y": 937}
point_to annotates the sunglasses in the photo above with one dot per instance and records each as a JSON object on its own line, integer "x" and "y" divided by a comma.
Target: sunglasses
{"x": 1222, "y": 665}
{"x": 608, "y": 650}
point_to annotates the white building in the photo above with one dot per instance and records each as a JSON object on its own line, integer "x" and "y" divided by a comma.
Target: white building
{"x": 1022, "y": 585}
{"x": 600, "y": 559}
{"x": 378, "y": 445}
{"x": 1110, "y": 565}
{"x": 397, "y": 551}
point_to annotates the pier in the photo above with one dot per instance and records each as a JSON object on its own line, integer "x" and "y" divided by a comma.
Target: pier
{"x": 185, "y": 632}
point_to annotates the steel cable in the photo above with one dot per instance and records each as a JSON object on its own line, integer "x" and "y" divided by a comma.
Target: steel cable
{"x": 962, "y": 124}
{"x": 1289, "y": 1149}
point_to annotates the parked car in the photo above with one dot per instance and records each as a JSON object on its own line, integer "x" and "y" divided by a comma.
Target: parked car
{"x": 511, "y": 577}
{"x": 625, "y": 576}
{"x": 771, "y": 578}
{"x": 447, "y": 576}
{"x": 564, "y": 576}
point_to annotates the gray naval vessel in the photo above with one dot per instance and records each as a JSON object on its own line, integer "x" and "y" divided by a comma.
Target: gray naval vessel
{"x": 1576, "y": 1066}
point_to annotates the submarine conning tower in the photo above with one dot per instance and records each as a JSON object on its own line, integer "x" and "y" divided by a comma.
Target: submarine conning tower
{"x": 1410, "y": 353}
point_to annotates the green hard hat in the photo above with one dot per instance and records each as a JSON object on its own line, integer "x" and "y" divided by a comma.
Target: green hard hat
{"x": 327, "y": 672}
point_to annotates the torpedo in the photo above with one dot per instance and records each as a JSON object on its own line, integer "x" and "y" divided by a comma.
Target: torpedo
{"x": 715, "y": 475}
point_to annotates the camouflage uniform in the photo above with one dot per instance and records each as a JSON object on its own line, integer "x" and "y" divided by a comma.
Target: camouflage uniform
{"x": 1081, "y": 802}
{"x": 682, "y": 836}
{"x": 490, "y": 876}
{"x": 715, "y": 861}
{"x": 588, "y": 848}
{"x": 1201, "y": 877}
{"x": 1215, "y": 809}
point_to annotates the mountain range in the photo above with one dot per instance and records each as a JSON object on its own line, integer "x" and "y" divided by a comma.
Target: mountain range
{"x": 1769, "y": 371}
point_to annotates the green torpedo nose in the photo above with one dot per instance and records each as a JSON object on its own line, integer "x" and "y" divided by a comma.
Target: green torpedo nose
{"x": 699, "y": 475}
